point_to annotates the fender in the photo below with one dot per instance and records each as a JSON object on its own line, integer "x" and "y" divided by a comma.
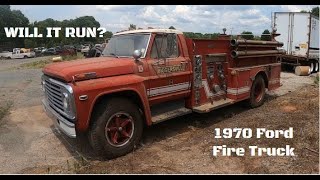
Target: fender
{"x": 96, "y": 88}
{"x": 269, "y": 73}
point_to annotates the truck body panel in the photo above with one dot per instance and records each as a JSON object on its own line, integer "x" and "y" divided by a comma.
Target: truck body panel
{"x": 201, "y": 75}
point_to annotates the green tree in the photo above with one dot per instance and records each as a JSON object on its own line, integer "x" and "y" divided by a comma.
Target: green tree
{"x": 171, "y": 27}
{"x": 84, "y": 21}
{"x": 29, "y": 43}
{"x": 247, "y": 35}
{"x": 11, "y": 18}
{"x": 315, "y": 11}
{"x": 266, "y": 35}
{"x": 132, "y": 27}
{"x": 107, "y": 35}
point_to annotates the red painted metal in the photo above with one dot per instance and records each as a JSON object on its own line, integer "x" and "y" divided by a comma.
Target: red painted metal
{"x": 116, "y": 75}
{"x": 119, "y": 129}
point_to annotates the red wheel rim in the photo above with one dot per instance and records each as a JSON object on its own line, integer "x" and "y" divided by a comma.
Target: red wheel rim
{"x": 119, "y": 129}
{"x": 258, "y": 91}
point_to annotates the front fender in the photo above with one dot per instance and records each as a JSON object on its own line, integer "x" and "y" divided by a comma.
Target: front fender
{"x": 96, "y": 88}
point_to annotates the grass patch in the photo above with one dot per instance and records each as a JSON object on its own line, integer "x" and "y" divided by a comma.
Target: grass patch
{"x": 5, "y": 109}
{"x": 316, "y": 79}
{"x": 74, "y": 57}
{"x": 36, "y": 64}
{"x": 40, "y": 64}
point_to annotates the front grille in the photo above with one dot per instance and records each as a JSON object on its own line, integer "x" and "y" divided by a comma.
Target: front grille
{"x": 54, "y": 95}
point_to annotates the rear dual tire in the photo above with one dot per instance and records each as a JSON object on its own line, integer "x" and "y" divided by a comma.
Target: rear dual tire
{"x": 315, "y": 67}
{"x": 257, "y": 92}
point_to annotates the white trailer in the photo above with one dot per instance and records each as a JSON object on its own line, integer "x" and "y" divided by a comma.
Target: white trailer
{"x": 300, "y": 34}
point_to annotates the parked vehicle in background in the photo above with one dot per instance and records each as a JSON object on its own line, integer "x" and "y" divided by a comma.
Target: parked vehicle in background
{"x": 38, "y": 50}
{"x": 68, "y": 50}
{"x": 78, "y": 47}
{"x": 96, "y": 51}
{"x": 19, "y": 53}
{"x": 50, "y": 51}
{"x": 299, "y": 32}
{"x": 85, "y": 49}
{"x": 5, "y": 54}
{"x": 148, "y": 76}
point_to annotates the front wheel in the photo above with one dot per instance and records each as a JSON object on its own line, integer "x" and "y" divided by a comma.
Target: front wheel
{"x": 116, "y": 129}
{"x": 257, "y": 93}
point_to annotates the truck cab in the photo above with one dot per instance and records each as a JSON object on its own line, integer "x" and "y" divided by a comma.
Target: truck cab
{"x": 148, "y": 76}
{"x": 19, "y": 53}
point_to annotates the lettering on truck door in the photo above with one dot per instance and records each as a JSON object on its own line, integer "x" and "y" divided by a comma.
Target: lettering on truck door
{"x": 169, "y": 69}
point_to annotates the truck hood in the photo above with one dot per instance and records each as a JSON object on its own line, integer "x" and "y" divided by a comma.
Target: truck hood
{"x": 102, "y": 66}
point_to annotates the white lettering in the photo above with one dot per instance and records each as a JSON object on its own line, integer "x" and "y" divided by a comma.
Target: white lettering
{"x": 11, "y": 32}
{"x": 70, "y": 31}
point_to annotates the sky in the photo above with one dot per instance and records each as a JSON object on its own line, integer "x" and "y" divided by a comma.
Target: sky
{"x": 187, "y": 18}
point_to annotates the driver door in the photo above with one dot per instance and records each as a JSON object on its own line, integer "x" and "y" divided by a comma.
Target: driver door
{"x": 170, "y": 71}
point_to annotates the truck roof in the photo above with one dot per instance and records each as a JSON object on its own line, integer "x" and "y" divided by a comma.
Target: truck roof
{"x": 150, "y": 31}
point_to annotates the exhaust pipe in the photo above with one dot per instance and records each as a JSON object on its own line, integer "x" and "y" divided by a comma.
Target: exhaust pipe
{"x": 236, "y": 54}
{"x": 243, "y": 43}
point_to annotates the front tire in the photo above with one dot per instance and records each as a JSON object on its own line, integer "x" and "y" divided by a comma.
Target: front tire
{"x": 257, "y": 93}
{"x": 116, "y": 129}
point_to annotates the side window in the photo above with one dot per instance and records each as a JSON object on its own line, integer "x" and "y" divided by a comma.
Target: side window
{"x": 165, "y": 46}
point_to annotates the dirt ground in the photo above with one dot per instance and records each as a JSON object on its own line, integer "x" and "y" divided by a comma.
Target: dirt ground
{"x": 30, "y": 144}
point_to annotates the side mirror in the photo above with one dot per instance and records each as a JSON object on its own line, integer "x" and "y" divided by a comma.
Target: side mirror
{"x": 137, "y": 54}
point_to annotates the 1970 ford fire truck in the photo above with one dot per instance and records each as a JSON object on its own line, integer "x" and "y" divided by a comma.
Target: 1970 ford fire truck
{"x": 148, "y": 76}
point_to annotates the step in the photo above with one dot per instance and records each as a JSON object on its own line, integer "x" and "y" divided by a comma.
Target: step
{"x": 207, "y": 107}
{"x": 168, "y": 110}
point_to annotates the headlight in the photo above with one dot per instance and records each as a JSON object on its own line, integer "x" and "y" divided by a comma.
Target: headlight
{"x": 66, "y": 101}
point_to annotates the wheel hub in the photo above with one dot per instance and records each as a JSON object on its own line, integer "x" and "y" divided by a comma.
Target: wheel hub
{"x": 119, "y": 129}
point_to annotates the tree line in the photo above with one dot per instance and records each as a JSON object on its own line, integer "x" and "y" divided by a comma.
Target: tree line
{"x": 15, "y": 18}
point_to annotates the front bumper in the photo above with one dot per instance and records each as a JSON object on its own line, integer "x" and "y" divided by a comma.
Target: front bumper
{"x": 64, "y": 125}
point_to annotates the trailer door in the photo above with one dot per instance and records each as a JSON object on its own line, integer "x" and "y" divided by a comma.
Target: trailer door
{"x": 300, "y": 33}
{"x": 282, "y": 24}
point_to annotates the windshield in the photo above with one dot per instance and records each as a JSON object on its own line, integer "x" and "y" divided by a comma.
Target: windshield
{"x": 124, "y": 45}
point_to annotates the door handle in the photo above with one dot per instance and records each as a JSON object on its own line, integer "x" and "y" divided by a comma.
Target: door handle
{"x": 184, "y": 62}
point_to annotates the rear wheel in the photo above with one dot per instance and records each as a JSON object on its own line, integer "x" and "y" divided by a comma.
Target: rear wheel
{"x": 116, "y": 128}
{"x": 311, "y": 68}
{"x": 257, "y": 93}
{"x": 316, "y": 66}
{"x": 25, "y": 57}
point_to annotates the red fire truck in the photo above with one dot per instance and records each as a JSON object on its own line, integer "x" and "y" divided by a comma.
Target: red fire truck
{"x": 148, "y": 76}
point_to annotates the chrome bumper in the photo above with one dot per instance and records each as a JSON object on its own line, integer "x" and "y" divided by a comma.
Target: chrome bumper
{"x": 64, "y": 125}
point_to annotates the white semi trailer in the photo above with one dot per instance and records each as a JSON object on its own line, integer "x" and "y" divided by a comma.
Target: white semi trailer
{"x": 300, "y": 34}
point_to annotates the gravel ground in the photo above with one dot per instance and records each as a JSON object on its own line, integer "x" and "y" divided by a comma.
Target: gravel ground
{"x": 30, "y": 144}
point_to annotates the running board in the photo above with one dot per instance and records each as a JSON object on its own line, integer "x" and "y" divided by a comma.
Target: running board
{"x": 207, "y": 107}
{"x": 166, "y": 111}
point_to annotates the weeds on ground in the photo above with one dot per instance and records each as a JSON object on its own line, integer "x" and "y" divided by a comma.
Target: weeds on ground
{"x": 40, "y": 64}
{"x": 5, "y": 109}
{"x": 72, "y": 57}
{"x": 316, "y": 79}
{"x": 36, "y": 64}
